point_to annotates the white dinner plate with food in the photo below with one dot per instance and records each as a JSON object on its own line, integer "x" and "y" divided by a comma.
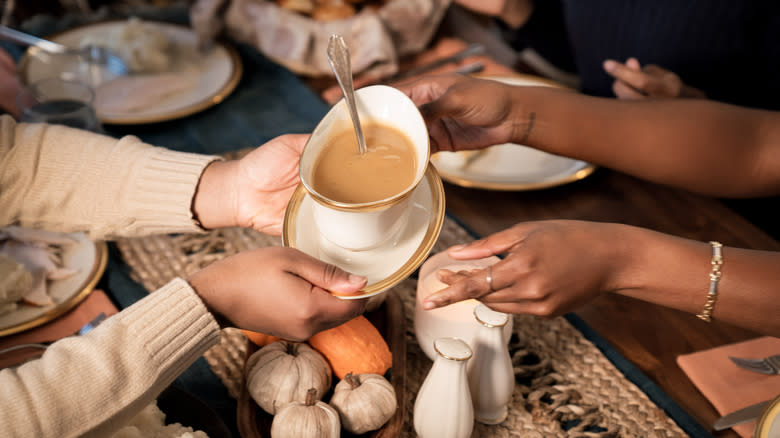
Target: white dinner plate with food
{"x": 389, "y": 263}
{"x": 88, "y": 259}
{"x": 510, "y": 166}
{"x": 181, "y": 80}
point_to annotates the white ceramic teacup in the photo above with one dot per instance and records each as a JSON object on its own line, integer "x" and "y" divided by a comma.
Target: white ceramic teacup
{"x": 366, "y": 225}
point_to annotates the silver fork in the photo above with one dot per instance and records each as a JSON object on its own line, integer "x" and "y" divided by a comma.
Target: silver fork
{"x": 86, "y": 328}
{"x": 766, "y": 365}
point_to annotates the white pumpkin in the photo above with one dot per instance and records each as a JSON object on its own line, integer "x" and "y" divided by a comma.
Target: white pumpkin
{"x": 308, "y": 419}
{"x": 282, "y": 372}
{"x": 364, "y": 402}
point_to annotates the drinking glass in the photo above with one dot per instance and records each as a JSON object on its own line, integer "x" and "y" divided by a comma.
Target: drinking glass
{"x": 59, "y": 101}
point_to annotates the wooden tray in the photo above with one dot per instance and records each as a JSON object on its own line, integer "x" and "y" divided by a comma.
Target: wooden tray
{"x": 254, "y": 422}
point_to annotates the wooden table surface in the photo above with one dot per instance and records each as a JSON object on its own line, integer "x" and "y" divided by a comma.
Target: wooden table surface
{"x": 648, "y": 335}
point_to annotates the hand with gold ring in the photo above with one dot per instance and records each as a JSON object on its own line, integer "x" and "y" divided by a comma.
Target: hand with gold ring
{"x": 550, "y": 268}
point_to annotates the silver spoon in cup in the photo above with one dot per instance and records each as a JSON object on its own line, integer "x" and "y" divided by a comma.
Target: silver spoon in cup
{"x": 338, "y": 57}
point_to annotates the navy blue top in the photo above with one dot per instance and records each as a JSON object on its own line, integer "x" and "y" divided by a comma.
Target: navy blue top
{"x": 730, "y": 49}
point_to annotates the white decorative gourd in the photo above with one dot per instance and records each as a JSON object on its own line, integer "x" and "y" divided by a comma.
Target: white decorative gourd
{"x": 282, "y": 372}
{"x": 364, "y": 402}
{"x": 311, "y": 418}
{"x": 443, "y": 406}
{"x": 490, "y": 374}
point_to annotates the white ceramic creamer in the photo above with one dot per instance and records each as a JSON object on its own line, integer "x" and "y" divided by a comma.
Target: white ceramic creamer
{"x": 490, "y": 373}
{"x": 443, "y": 407}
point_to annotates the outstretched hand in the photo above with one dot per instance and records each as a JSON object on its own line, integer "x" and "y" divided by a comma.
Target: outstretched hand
{"x": 550, "y": 268}
{"x": 633, "y": 81}
{"x": 465, "y": 113}
{"x": 279, "y": 291}
{"x": 252, "y": 192}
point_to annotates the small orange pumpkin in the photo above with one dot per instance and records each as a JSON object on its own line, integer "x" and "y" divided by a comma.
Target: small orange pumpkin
{"x": 260, "y": 339}
{"x": 354, "y": 347}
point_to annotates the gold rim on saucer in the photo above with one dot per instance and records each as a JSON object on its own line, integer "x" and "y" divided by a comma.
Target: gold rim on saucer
{"x": 470, "y": 182}
{"x": 769, "y": 419}
{"x": 98, "y": 266}
{"x": 522, "y": 76}
{"x": 206, "y": 101}
{"x": 435, "y": 222}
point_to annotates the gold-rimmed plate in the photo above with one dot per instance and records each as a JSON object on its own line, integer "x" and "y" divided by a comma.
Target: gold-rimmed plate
{"x": 195, "y": 80}
{"x": 389, "y": 263}
{"x": 89, "y": 259}
{"x": 510, "y": 166}
{"x": 768, "y": 425}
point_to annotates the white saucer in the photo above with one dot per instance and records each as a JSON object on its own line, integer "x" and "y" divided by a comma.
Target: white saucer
{"x": 386, "y": 265}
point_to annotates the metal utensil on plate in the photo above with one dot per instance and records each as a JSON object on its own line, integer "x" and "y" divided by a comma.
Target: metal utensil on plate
{"x": 472, "y": 50}
{"x": 93, "y": 55}
{"x": 338, "y": 57}
{"x": 86, "y": 328}
{"x": 766, "y": 365}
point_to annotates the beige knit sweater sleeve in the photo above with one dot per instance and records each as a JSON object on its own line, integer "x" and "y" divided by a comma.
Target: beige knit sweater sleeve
{"x": 64, "y": 179}
{"x": 92, "y": 385}
{"x": 69, "y": 180}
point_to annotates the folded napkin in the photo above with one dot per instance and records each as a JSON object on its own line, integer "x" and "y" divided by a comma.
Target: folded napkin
{"x": 727, "y": 386}
{"x": 61, "y": 327}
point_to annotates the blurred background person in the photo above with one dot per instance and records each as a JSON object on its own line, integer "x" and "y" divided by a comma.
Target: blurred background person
{"x": 721, "y": 49}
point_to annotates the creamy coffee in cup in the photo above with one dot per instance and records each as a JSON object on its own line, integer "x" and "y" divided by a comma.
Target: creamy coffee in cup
{"x": 343, "y": 174}
{"x": 361, "y": 201}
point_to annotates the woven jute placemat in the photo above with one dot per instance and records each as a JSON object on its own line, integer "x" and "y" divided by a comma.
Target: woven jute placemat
{"x": 565, "y": 386}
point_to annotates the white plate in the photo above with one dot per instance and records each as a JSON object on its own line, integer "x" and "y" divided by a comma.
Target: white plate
{"x": 89, "y": 258}
{"x": 210, "y": 76}
{"x": 510, "y": 166}
{"x": 768, "y": 425}
{"x": 386, "y": 265}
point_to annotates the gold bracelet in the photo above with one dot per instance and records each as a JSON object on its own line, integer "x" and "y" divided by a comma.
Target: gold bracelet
{"x": 715, "y": 274}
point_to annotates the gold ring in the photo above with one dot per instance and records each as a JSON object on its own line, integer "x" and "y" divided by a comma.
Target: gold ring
{"x": 489, "y": 277}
